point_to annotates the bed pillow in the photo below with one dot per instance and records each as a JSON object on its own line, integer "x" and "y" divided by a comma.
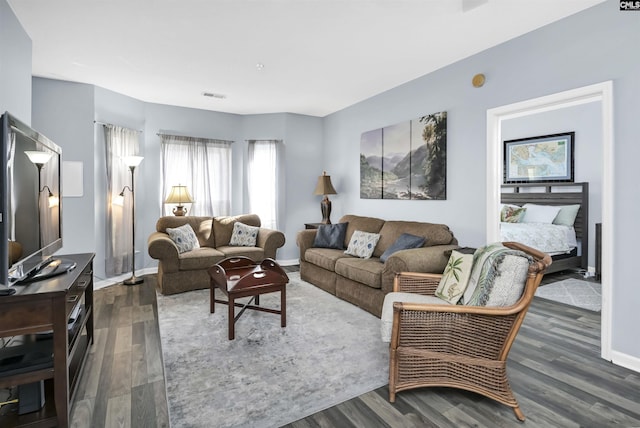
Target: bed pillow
{"x": 362, "y": 244}
{"x": 512, "y": 213}
{"x": 184, "y": 237}
{"x": 244, "y": 235}
{"x": 540, "y": 213}
{"x": 330, "y": 236}
{"x": 404, "y": 242}
{"x": 567, "y": 215}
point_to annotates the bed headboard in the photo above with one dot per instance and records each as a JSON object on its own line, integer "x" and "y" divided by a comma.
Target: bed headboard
{"x": 555, "y": 194}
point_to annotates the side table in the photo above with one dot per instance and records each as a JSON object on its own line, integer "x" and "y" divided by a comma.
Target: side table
{"x": 312, "y": 225}
{"x": 239, "y": 277}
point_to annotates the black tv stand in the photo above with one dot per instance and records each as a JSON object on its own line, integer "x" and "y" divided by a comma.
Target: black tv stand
{"x": 52, "y": 268}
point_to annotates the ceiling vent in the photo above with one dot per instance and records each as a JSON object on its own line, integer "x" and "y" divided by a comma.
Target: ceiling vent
{"x": 214, "y": 95}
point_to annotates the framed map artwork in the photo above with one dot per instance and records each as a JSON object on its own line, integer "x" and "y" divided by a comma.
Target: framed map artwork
{"x": 539, "y": 159}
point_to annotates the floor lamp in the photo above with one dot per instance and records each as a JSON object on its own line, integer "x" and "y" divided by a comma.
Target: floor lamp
{"x": 132, "y": 162}
{"x": 39, "y": 158}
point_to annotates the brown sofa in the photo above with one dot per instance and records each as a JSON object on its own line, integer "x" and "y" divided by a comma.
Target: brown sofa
{"x": 188, "y": 271}
{"x": 365, "y": 282}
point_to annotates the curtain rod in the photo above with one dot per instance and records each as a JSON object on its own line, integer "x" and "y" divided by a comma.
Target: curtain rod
{"x": 111, "y": 124}
{"x": 162, "y": 134}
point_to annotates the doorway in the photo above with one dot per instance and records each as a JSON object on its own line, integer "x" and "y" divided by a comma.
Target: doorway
{"x": 602, "y": 93}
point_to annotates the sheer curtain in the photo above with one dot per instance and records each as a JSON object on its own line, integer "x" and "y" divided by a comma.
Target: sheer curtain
{"x": 263, "y": 180}
{"x": 204, "y": 166}
{"x": 120, "y": 142}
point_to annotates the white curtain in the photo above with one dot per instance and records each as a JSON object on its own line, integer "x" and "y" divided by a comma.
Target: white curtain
{"x": 120, "y": 142}
{"x": 204, "y": 166}
{"x": 262, "y": 180}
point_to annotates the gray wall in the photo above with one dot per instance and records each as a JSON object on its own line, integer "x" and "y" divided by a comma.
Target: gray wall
{"x": 590, "y": 47}
{"x": 585, "y": 121}
{"x": 15, "y": 66}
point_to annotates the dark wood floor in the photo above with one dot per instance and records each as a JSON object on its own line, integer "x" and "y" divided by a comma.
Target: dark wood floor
{"x": 554, "y": 367}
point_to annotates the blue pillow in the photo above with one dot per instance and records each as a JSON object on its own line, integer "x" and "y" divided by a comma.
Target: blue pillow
{"x": 404, "y": 242}
{"x": 331, "y": 236}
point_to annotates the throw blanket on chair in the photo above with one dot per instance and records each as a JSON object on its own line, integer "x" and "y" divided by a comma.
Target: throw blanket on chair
{"x": 498, "y": 276}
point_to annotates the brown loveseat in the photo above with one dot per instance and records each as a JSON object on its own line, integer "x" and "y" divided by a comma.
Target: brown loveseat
{"x": 178, "y": 272}
{"x": 365, "y": 282}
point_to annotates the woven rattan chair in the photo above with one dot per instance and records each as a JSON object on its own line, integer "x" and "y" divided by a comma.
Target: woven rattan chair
{"x": 457, "y": 346}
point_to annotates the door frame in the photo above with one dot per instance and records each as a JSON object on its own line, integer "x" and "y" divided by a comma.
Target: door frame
{"x": 599, "y": 92}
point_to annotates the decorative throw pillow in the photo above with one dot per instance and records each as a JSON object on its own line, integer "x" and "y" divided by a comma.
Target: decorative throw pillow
{"x": 362, "y": 244}
{"x": 331, "y": 236}
{"x": 244, "y": 235}
{"x": 455, "y": 277}
{"x": 567, "y": 215}
{"x": 404, "y": 242}
{"x": 540, "y": 213}
{"x": 184, "y": 237}
{"x": 512, "y": 213}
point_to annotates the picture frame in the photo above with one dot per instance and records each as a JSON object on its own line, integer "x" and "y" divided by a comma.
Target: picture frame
{"x": 543, "y": 159}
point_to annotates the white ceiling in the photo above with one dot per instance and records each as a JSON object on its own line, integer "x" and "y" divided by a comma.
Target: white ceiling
{"x": 319, "y": 56}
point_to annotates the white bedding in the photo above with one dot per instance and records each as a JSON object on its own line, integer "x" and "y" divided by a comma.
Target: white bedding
{"x": 549, "y": 238}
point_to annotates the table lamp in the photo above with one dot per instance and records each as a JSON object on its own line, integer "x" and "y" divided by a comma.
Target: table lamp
{"x": 179, "y": 195}
{"x": 324, "y": 187}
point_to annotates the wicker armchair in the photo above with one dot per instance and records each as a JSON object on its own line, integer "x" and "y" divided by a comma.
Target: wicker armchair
{"x": 457, "y": 346}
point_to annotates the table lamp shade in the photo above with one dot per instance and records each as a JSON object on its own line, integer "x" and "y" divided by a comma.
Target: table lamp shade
{"x": 179, "y": 195}
{"x": 324, "y": 186}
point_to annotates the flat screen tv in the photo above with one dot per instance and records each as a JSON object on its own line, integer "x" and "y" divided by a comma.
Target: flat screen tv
{"x": 30, "y": 202}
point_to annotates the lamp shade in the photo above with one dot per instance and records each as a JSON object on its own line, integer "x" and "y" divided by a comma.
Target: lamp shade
{"x": 324, "y": 186}
{"x": 38, "y": 157}
{"x": 179, "y": 195}
{"x": 132, "y": 161}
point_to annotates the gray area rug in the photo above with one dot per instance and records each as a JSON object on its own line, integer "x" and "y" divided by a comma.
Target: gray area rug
{"x": 268, "y": 376}
{"x": 574, "y": 292}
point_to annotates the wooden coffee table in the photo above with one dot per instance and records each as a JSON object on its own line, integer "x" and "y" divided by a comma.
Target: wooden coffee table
{"x": 239, "y": 277}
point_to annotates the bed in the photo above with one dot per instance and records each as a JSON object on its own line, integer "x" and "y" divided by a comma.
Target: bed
{"x": 568, "y": 245}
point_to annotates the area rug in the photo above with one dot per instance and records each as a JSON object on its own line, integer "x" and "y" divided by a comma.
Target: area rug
{"x": 329, "y": 352}
{"x": 574, "y": 292}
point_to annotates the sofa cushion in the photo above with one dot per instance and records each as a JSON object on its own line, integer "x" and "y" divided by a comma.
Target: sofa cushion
{"x": 330, "y": 236}
{"x": 184, "y": 237}
{"x": 324, "y": 257}
{"x": 244, "y": 235}
{"x": 200, "y": 258}
{"x": 364, "y": 271}
{"x": 362, "y": 244}
{"x": 404, "y": 242}
{"x": 435, "y": 234}
{"x": 223, "y": 226}
{"x": 254, "y": 253}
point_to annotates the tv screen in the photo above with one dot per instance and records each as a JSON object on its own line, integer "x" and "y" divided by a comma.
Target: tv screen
{"x": 30, "y": 206}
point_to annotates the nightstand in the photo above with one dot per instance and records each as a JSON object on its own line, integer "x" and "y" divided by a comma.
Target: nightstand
{"x": 312, "y": 225}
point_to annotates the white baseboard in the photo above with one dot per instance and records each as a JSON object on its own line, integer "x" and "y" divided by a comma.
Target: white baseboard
{"x": 626, "y": 361}
{"x": 290, "y": 262}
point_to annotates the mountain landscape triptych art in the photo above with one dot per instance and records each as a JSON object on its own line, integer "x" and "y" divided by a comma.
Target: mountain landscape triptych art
{"x": 405, "y": 161}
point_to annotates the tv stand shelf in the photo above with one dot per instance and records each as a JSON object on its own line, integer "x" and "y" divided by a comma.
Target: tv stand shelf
{"x": 46, "y": 306}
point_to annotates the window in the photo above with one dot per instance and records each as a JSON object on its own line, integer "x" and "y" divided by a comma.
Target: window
{"x": 204, "y": 166}
{"x": 262, "y": 178}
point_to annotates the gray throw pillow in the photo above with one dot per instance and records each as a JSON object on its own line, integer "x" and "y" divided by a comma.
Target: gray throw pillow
{"x": 404, "y": 242}
{"x": 331, "y": 236}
